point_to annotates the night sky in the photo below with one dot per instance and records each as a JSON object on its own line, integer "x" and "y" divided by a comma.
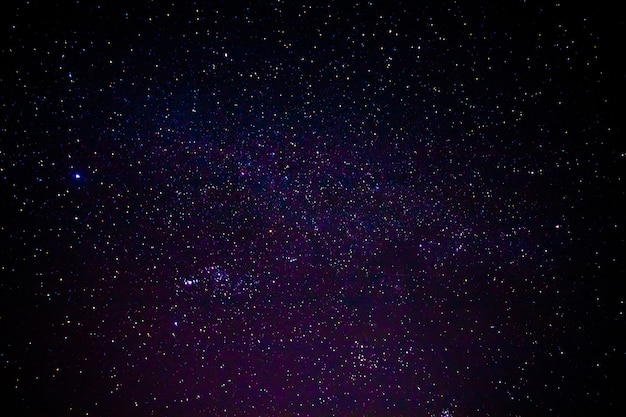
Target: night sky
{"x": 277, "y": 208}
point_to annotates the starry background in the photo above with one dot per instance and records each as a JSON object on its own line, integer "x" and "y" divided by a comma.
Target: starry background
{"x": 311, "y": 208}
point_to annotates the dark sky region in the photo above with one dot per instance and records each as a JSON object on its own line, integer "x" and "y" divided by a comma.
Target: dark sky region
{"x": 277, "y": 208}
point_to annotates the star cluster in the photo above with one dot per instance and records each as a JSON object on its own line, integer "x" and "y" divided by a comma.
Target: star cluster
{"x": 311, "y": 208}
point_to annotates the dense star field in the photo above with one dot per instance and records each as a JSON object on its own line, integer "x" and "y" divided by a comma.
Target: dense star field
{"x": 278, "y": 208}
